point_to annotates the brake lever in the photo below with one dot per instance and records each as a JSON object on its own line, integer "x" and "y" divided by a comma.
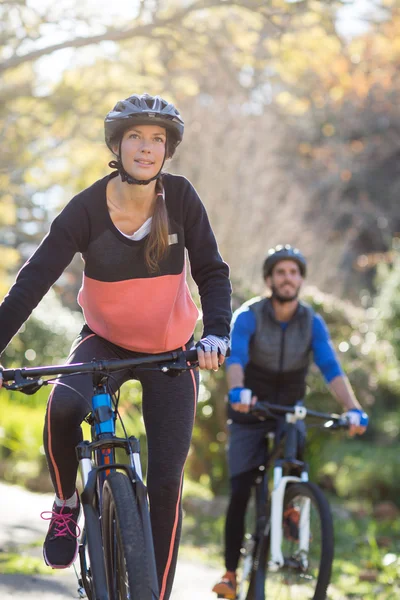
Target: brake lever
{"x": 260, "y": 411}
{"x": 337, "y": 424}
{"x": 175, "y": 368}
{"x": 26, "y": 386}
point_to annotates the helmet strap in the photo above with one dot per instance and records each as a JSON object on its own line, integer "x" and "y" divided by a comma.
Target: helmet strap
{"x": 117, "y": 164}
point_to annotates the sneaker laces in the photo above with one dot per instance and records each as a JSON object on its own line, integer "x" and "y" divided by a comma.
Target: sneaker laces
{"x": 61, "y": 522}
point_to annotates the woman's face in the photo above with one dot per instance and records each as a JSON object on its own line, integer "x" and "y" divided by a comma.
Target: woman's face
{"x": 143, "y": 150}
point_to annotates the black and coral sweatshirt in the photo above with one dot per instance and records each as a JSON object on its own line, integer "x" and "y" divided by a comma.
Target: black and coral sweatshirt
{"x": 121, "y": 301}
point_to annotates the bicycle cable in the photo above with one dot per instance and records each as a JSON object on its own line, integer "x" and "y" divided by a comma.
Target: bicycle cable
{"x": 58, "y": 382}
{"x": 115, "y": 398}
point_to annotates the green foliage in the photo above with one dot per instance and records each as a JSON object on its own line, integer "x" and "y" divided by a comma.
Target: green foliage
{"x": 367, "y": 467}
{"x": 203, "y": 532}
{"x": 46, "y": 337}
{"x": 367, "y": 358}
{"x": 387, "y": 302}
{"x": 207, "y": 459}
{"x": 21, "y": 434}
{"x": 358, "y": 470}
{"x": 22, "y": 458}
{"x": 366, "y": 558}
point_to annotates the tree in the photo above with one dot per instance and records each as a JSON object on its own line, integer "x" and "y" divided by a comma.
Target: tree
{"x": 235, "y": 68}
{"x": 49, "y": 121}
{"x": 340, "y": 99}
{"x": 387, "y": 303}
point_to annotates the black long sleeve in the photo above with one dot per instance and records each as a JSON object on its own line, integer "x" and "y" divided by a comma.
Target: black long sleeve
{"x": 121, "y": 300}
{"x": 43, "y": 269}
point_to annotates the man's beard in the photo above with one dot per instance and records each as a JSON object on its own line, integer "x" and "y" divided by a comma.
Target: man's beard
{"x": 283, "y": 299}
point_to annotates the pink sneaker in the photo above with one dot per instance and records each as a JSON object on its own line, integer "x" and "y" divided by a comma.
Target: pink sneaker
{"x": 60, "y": 547}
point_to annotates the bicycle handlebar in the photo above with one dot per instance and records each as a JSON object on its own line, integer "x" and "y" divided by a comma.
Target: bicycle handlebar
{"x": 267, "y": 409}
{"x": 23, "y": 377}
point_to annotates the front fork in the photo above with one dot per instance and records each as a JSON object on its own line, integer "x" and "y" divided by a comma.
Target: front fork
{"x": 94, "y": 473}
{"x": 92, "y": 538}
{"x": 93, "y": 578}
{"x": 277, "y": 503}
{"x": 86, "y": 464}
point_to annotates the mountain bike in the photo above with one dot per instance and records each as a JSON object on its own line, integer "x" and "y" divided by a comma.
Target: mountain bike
{"x": 289, "y": 554}
{"x": 116, "y": 553}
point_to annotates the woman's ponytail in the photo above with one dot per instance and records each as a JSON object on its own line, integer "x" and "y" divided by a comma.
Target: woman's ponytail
{"x": 157, "y": 244}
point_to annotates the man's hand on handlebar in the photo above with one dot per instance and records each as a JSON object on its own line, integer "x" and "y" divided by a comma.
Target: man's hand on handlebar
{"x": 241, "y": 399}
{"x": 358, "y": 421}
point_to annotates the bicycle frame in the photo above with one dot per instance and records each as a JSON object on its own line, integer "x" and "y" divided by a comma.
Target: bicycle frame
{"x": 93, "y": 473}
{"x": 269, "y": 506}
{"x": 278, "y": 494}
{"x": 97, "y": 457}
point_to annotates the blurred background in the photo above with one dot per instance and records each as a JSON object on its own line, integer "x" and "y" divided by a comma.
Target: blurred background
{"x": 292, "y": 136}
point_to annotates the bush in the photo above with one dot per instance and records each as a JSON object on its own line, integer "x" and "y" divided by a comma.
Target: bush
{"x": 387, "y": 303}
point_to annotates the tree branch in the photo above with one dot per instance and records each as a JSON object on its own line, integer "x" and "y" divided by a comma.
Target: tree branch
{"x": 117, "y": 35}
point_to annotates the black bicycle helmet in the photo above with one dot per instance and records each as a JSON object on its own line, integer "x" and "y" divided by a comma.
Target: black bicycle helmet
{"x": 146, "y": 110}
{"x": 286, "y": 252}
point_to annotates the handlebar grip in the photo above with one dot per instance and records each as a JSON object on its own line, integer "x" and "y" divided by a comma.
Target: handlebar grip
{"x": 343, "y": 423}
{"x": 191, "y": 355}
{"x": 7, "y": 374}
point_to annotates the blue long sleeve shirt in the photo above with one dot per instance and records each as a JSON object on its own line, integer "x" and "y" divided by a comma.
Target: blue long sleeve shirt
{"x": 324, "y": 355}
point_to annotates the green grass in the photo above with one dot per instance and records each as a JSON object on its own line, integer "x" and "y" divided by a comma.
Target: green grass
{"x": 22, "y": 564}
{"x": 202, "y": 538}
{"x": 367, "y": 548}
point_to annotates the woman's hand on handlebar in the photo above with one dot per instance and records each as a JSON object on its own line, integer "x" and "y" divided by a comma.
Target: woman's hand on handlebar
{"x": 211, "y": 351}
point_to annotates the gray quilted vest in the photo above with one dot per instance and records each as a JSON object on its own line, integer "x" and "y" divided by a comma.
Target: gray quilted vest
{"x": 281, "y": 350}
{"x": 279, "y": 357}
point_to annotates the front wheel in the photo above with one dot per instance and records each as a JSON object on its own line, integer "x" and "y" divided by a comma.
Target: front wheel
{"x": 123, "y": 541}
{"x": 307, "y": 546}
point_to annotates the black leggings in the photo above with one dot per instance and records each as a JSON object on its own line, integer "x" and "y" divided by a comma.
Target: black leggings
{"x": 168, "y": 404}
{"x": 241, "y": 486}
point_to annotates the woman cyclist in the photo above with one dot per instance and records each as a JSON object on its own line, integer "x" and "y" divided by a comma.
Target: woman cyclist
{"x": 132, "y": 228}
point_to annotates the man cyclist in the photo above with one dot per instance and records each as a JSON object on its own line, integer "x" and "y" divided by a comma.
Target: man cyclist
{"x": 273, "y": 341}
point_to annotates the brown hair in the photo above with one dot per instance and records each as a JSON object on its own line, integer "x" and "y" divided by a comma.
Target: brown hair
{"x": 157, "y": 245}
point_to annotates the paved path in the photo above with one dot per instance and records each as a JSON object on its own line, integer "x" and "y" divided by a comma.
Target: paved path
{"x": 21, "y": 527}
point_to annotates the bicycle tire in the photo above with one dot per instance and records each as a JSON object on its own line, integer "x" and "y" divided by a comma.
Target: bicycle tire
{"x": 249, "y": 567}
{"x": 323, "y": 563}
{"x": 314, "y": 585}
{"x": 85, "y": 570}
{"x": 123, "y": 541}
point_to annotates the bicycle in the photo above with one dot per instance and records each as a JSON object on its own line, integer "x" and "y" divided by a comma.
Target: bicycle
{"x": 116, "y": 553}
{"x": 290, "y": 552}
